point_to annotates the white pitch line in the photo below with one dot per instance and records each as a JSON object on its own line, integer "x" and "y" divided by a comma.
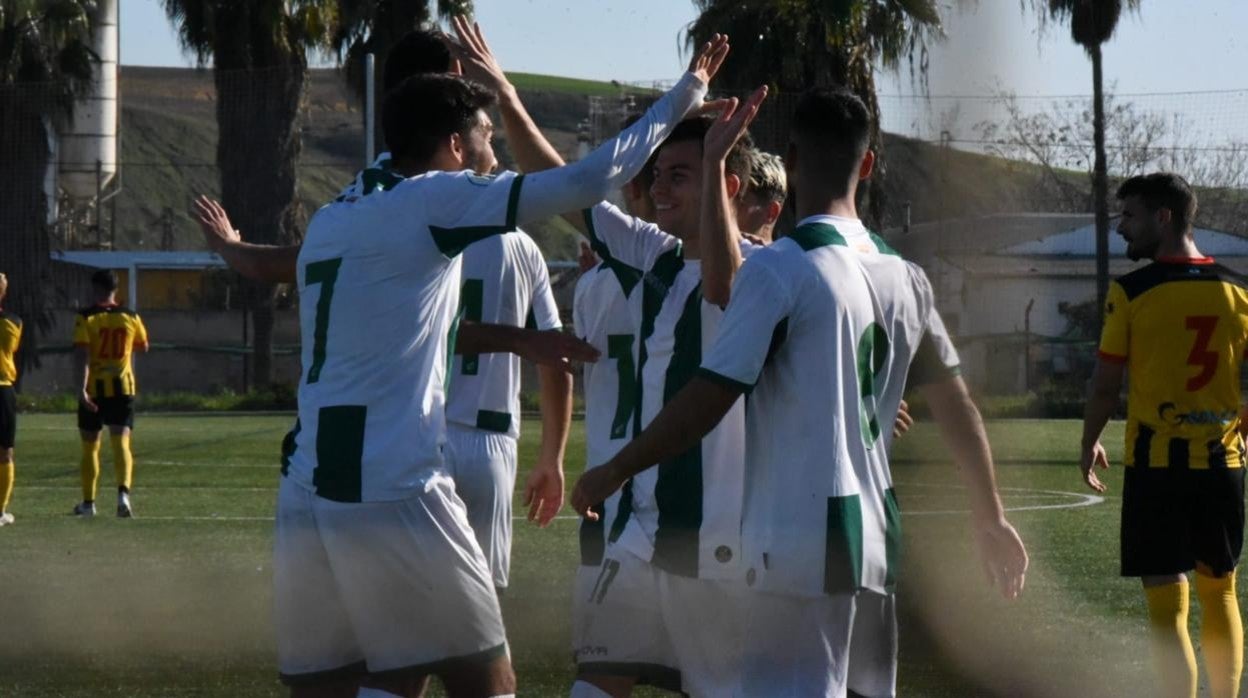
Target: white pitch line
{"x": 1081, "y": 500}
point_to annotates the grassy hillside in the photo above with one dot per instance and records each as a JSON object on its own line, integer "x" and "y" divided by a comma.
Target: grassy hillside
{"x": 168, "y": 154}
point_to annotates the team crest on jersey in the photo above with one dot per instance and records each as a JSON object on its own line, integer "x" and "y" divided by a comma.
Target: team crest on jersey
{"x": 479, "y": 179}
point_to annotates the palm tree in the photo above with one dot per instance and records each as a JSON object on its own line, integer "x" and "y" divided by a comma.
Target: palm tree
{"x": 797, "y": 44}
{"x": 374, "y": 26}
{"x": 259, "y": 52}
{"x": 45, "y": 62}
{"x": 1092, "y": 23}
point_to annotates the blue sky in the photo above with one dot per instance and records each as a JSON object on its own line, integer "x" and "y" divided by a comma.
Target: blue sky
{"x": 1167, "y": 47}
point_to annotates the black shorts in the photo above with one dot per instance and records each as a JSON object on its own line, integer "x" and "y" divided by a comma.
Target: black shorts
{"x": 1173, "y": 518}
{"x": 8, "y": 416}
{"x": 113, "y": 412}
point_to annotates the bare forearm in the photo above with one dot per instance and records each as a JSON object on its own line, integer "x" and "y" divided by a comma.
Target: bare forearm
{"x": 532, "y": 151}
{"x": 1102, "y": 402}
{"x": 721, "y": 255}
{"x": 271, "y": 263}
{"x": 962, "y": 430}
{"x": 80, "y": 367}
{"x": 679, "y": 426}
{"x": 488, "y": 338}
{"x": 556, "y": 406}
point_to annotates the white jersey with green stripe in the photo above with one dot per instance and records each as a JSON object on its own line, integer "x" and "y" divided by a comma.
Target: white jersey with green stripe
{"x": 504, "y": 281}
{"x": 606, "y": 312}
{"x": 684, "y": 515}
{"x": 379, "y": 280}
{"x": 822, "y": 338}
{"x": 377, "y": 305}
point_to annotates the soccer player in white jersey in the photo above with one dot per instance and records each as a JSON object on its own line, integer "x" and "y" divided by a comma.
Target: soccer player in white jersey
{"x": 821, "y": 331}
{"x": 678, "y": 529}
{"x": 372, "y": 545}
{"x": 505, "y": 283}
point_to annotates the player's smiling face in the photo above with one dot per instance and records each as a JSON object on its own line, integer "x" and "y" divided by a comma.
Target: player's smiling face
{"x": 1140, "y": 228}
{"x": 677, "y": 188}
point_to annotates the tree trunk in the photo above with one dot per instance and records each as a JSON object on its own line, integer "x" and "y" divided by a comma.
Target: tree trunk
{"x": 25, "y": 237}
{"x": 1100, "y": 182}
{"x": 260, "y": 85}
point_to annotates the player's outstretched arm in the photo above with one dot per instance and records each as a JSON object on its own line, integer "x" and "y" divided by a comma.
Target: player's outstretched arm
{"x": 543, "y": 491}
{"x": 1000, "y": 548}
{"x": 272, "y": 263}
{"x": 1106, "y": 385}
{"x": 608, "y": 167}
{"x": 526, "y": 142}
{"x": 719, "y": 239}
{"x": 680, "y": 425}
{"x": 544, "y": 348}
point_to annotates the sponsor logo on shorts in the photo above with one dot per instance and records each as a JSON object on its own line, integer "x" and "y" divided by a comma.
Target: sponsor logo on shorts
{"x": 723, "y": 554}
{"x": 588, "y": 652}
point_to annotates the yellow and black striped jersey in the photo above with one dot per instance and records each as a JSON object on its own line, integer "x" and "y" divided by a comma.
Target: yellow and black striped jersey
{"x": 1181, "y": 328}
{"x": 109, "y": 333}
{"x": 10, "y": 338}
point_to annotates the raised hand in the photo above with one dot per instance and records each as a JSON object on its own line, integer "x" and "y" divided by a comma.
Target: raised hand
{"x": 708, "y": 59}
{"x": 731, "y": 125}
{"x": 214, "y": 223}
{"x": 473, "y": 56}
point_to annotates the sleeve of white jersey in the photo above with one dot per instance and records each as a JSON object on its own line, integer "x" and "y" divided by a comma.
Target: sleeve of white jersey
{"x": 755, "y": 320}
{"x": 936, "y": 358}
{"x": 609, "y": 166}
{"x": 616, "y": 236}
{"x": 463, "y": 207}
{"x": 542, "y": 305}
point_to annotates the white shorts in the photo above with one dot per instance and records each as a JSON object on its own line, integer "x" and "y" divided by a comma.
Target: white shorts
{"x": 705, "y": 622}
{"x": 820, "y": 646}
{"x": 483, "y": 464}
{"x": 617, "y": 622}
{"x": 379, "y": 586}
{"x": 630, "y": 618}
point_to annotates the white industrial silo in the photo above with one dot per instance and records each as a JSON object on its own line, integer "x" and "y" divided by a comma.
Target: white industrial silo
{"x": 88, "y": 142}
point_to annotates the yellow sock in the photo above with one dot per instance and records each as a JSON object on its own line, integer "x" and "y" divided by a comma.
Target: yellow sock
{"x": 1221, "y": 634}
{"x": 1173, "y": 657}
{"x": 90, "y": 469}
{"x": 7, "y": 471}
{"x": 123, "y": 462}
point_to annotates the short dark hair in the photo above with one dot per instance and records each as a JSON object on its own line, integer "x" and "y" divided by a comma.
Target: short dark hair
{"x": 1163, "y": 190}
{"x": 835, "y": 123}
{"x": 104, "y": 280}
{"x": 740, "y": 159}
{"x": 417, "y": 52}
{"x": 424, "y": 110}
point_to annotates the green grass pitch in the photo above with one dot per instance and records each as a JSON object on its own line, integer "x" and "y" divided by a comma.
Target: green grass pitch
{"x": 177, "y": 602}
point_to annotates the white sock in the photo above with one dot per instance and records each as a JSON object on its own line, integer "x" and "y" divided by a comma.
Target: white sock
{"x": 584, "y": 689}
{"x": 375, "y": 693}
